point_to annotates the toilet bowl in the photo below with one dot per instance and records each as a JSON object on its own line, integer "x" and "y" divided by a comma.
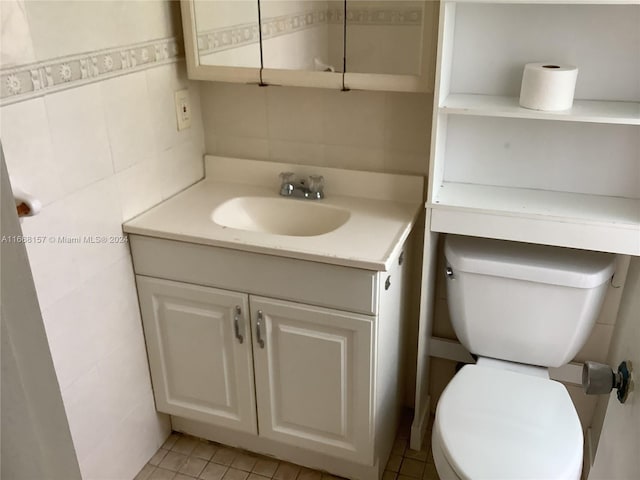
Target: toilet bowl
{"x": 520, "y": 308}
{"x": 494, "y": 423}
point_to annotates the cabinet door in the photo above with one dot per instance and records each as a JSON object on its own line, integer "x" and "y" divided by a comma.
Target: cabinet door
{"x": 199, "y": 346}
{"x": 314, "y": 377}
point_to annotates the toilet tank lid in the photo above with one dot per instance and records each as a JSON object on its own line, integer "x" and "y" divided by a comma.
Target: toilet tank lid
{"x": 530, "y": 262}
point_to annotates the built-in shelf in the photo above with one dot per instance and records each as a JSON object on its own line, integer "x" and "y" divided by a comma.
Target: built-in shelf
{"x": 598, "y": 209}
{"x": 593, "y": 111}
{"x": 595, "y": 222}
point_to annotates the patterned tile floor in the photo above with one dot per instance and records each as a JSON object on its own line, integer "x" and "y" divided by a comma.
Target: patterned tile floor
{"x": 183, "y": 457}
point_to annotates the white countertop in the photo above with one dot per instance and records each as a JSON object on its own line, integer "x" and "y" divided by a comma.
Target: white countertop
{"x": 370, "y": 238}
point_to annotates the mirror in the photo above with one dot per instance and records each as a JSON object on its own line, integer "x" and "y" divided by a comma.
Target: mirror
{"x": 303, "y": 34}
{"x": 227, "y": 32}
{"x": 386, "y": 36}
{"x": 388, "y": 44}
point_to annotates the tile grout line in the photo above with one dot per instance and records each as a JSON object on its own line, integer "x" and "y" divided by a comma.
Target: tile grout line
{"x": 184, "y": 457}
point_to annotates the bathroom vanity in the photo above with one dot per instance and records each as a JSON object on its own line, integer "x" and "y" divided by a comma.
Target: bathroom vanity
{"x": 288, "y": 344}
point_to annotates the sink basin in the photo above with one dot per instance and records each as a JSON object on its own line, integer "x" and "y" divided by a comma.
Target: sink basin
{"x": 280, "y": 216}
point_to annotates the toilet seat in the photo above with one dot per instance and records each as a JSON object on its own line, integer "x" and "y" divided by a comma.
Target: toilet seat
{"x": 494, "y": 424}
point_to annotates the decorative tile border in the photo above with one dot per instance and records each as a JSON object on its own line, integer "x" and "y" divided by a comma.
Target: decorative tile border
{"x": 283, "y": 25}
{"x": 36, "y": 79}
{"x": 399, "y": 16}
{"x": 234, "y": 36}
{"x": 240, "y": 35}
{"x": 226, "y": 38}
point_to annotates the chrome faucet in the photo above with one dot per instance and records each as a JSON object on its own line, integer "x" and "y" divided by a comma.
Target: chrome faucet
{"x": 311, "y": 188}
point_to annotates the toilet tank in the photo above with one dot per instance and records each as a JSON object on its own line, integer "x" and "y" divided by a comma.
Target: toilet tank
{"x": 521, "y": 302}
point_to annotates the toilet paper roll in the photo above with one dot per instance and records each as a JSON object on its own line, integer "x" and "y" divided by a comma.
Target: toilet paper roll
{"x": 548, "y": 86}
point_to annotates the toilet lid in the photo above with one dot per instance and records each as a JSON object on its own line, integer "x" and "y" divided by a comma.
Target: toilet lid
{"x": 499, "y": 424}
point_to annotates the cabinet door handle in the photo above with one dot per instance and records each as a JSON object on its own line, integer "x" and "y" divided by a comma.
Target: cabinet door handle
{"x": 258, "y": 328}
{"x": 236, "y": 324}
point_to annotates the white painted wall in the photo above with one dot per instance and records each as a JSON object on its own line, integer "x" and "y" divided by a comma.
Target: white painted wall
{"x": 54, "y": 28}
{"x": 97, "y": 155}
{"x": 617, "y": 452}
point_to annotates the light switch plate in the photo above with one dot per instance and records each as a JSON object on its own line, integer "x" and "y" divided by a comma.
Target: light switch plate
{"x": 183, "y": 109}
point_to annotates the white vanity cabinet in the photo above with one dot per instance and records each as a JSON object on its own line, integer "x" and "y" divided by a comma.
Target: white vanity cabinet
{"x": 313, "y": 377}
{"x": 201, "y": 365}
{"x": 252, "y": 367}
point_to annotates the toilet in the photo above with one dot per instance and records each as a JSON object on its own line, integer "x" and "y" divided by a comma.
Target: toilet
{"x": 520, "y": 308}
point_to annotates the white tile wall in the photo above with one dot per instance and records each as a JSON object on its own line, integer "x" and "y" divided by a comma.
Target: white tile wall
{"x": 379, "y": 131}
{"x": 162, "y": 83}
{"x": 130, "y": 136}
{"x": 68, "y": 27}
{"x": 129, "y": 444}
{"x": 295, "y": 114}
{"x": 100, "y": 154}
{"x": 16, "y": 46}
{"x": 27, "y": 127}
{"x": 79, "y": 137}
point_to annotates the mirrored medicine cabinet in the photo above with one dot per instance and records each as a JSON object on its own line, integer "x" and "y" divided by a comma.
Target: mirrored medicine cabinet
{"x": 342, "y": 44}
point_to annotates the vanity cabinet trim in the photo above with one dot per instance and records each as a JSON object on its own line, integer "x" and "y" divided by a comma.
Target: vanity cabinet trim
{"x": 325, "y": 285}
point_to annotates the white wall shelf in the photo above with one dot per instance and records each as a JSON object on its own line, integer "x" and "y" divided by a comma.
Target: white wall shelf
{"x": 598, "y": 222}
{"x": 594, "y": 111}
{"x": 614, "y": 212}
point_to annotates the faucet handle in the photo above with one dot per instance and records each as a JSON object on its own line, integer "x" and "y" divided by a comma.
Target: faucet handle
{"x": 286, "y": 177}
{"x": 286, "y": 184}
{"x": 316, "y": 185}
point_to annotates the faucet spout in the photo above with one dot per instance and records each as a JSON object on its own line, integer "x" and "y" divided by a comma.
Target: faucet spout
{"x": 311, "y": 188}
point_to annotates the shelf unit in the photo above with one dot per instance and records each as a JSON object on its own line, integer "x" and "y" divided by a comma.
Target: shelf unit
{"x": 497, "y": 170}
{"x": 569, "y": 178}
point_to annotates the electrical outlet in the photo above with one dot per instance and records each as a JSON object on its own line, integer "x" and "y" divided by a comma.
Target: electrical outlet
{"x": 183, "y": 109}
